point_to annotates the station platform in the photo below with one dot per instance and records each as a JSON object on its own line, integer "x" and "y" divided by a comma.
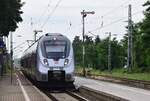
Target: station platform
{"x": 20, "y": 89}
{"x": 122, "y": 91}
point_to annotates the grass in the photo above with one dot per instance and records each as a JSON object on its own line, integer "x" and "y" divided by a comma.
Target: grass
{"x": 119, "y": 73}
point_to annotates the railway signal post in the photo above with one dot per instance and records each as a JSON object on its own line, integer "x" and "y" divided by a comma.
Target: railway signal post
{"x": 84, "y": 14}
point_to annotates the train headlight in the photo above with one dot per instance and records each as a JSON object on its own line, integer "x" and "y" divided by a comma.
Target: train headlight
{"x": 66, "y": 61}
{"x": 45, "y": 62}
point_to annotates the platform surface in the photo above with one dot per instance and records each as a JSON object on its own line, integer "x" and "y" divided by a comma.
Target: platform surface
{"x": 126, "y": 92}
{"x": 19, "y": 90}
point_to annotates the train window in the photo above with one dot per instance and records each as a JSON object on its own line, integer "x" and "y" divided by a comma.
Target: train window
{"x": 55, "y": 49}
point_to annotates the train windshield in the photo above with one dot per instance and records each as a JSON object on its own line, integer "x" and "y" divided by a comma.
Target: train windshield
{"x": 55, "y": 49}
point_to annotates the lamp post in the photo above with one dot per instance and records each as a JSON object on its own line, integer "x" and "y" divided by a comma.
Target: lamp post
{"x": 84, "y": 14}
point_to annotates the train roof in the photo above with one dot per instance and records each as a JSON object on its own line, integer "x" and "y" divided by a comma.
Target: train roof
{"x": 50, "y": 36}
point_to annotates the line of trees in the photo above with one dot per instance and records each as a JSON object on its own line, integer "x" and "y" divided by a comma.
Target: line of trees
{"x": 97, "y": 53}
{"x": 97, "y": 49}
{"x": 10, "y": 15}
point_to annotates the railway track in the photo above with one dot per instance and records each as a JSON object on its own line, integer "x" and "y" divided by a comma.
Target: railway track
{"x": 56, "y": 94}
{"x": 64, "y": 96}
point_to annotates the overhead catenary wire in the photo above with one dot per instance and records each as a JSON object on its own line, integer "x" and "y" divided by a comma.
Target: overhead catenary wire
{"x": 116, "y": 21}
{"x": 111, "y": 23}
{"x": 19, "y": 45}
{"x": 92, "y": 34}
{"x": 98, "y": 28}
{"x": 110, "y": 12}
{"x": 50, "y": 15}
{"x": 115, "y": 9}
{"x": 46, "y": 9}
{"x": 103, "y": 15}
{"x": 18, "y": 51}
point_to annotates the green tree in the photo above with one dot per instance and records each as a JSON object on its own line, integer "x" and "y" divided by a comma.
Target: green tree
{"x": 96, "y": 53}
{"x": 145, "y": 36}
{"x": 141, "y": 42}
{"x": 89, "y": 51}
{"x": 97, "y": 40}
{"x": 10, "y": 15}
{"x": 102, "y": 54}
{"x": 77, "y": 46}
{"x": 117, "y": 54}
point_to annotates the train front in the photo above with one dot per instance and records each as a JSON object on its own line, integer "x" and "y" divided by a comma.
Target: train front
{"x": 56, "y": 59}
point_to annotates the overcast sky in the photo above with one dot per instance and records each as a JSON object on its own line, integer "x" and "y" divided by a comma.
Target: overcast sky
{"x": 66, "y": 18}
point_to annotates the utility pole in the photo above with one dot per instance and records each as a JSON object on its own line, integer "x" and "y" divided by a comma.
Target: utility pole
{"x": 109, "y": 52}
{"x": 35, "y": 33}
{"x": 11, "y": 53}
{"x": 84, "y": 14}
{"x": 129, "y": 61}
